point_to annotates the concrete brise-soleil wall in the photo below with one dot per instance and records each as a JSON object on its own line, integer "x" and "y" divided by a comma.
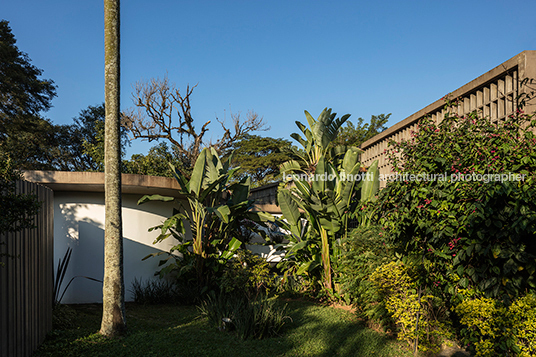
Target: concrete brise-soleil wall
{"x": 493, "y": 94}
{"x": 79, "y": 218}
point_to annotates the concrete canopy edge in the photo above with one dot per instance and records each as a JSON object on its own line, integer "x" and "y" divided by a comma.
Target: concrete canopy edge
{"x": 64, "y": 181}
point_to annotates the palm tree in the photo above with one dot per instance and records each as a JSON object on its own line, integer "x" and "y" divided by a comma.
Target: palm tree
{"x": 113, "y": 316}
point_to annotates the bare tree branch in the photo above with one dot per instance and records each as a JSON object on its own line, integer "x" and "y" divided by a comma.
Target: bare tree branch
{"x": 162, "y": 112}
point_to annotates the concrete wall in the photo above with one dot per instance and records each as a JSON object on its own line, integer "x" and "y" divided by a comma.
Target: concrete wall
{"x": 79, "y": 224}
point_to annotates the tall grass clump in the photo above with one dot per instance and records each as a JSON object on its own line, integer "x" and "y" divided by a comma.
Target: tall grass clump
{"x": 250, "y": 319}
{"x": 161, "y": 291}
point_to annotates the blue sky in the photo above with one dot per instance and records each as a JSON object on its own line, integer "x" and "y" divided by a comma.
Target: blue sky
{"x": 277, "y": 58}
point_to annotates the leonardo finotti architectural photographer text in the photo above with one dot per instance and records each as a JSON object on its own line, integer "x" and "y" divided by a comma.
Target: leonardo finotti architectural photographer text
{"x": 365, "y": 176}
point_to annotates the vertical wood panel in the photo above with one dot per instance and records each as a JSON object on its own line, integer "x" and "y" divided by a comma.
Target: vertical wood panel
{"x": 26, "y": 281}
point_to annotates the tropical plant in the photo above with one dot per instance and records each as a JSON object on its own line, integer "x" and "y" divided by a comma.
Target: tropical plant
{"x": 364, "y": 250}
{"x": 60, "y": 275}
{"x": 250, "y": 318}
{"x": 471, "y": 223}
{"x": 317, "y": 142}
{"x": 216, "y": 209}
{"x": 318, "y": 201}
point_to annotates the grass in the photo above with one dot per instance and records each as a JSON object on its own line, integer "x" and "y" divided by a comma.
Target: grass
{"x": 171, "y": 330}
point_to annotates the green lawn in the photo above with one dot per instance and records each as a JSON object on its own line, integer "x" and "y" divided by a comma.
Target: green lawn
{"x": 170, "y": 330}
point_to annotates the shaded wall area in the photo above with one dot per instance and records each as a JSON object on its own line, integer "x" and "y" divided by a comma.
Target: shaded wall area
{"x": 79, "y": 224}
{"x": 26, "y": 280}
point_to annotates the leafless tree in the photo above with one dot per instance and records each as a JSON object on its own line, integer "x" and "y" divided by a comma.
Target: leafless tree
{"x": 163, "y": 112}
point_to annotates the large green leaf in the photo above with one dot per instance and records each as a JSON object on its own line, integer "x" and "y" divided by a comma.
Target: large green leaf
{"x": 289, "y": 207}
{"x": 241, "y": 190}
{"x": 148, "y": 198}
{"x": 292, "y": 248}
{"x": 322, "y": 175}
{"x": 304, "y": 188}
{"x": 260, "y": 216}
{"x": 371, "y": 184}
{"x": 299, "y": 139}
{"x": 351, "y": 159}
{"x": 179, "y": 177}
{"x": 232, "y": 247}
{"x": 223, "y": 212}
{"x": 198, "y": 173}
{"x": 302, "y": 127}
{"x": 308, "y": 266}
{"x": 213, "y": 168}
{"x": 310, "y": 119}
{"x": 288, "y": 167}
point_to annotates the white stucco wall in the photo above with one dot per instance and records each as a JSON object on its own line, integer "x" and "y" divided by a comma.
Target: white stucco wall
{"x": 79, "y": 224}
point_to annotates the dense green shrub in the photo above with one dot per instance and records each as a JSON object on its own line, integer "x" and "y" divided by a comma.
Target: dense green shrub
{"x": 477, "y": 234}
{"x": 417, "y": 314}
{"x": 364, "y": 250}
{"x": 18, "y": 209}
{"x": 494, "y": 329}
{"x": 247, "y": 274}
{"x": 257, "y": 318}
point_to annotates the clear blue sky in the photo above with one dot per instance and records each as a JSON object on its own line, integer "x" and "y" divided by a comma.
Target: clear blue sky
{"x": 275, "y": 57}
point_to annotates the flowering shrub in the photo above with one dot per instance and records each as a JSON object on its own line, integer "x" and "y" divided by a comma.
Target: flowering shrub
{"x": 477, "y": 232}
{"x": 497, "y": 330}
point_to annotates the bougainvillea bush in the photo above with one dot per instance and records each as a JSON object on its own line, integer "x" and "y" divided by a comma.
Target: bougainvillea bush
{"x": 467, "y": 217}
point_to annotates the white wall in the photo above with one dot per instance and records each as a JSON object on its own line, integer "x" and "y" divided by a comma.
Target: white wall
{"x": 79, "y": 224}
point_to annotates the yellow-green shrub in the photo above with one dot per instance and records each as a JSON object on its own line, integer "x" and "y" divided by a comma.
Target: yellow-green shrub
{"x": 398, "y": 292}
{"x": 499, "y": 330}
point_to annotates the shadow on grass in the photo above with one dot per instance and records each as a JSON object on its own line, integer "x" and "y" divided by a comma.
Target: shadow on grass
{"x": 170, "y": 330}
{"x": 326, "y": 331}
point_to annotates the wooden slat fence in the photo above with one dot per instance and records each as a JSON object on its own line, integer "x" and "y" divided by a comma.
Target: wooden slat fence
{"x": 26, "y": 281}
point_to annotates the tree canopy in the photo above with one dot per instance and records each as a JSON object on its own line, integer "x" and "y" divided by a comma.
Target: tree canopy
{"x": 24, "y": 134}
{"x": 355, "y": 135}
{"x": 260, "y": 157}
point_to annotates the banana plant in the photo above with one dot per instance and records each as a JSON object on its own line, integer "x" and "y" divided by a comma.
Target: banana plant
{"x": 369, "y": 190}
{"x": 316, "y": 141}
{"x": 324, "y": 198}
{"x": 216, "y": 207}
{"x": 324, "y": 203}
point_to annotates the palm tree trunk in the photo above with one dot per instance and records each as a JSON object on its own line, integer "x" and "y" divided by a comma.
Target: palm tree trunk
{"x": 113, "y": 316}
